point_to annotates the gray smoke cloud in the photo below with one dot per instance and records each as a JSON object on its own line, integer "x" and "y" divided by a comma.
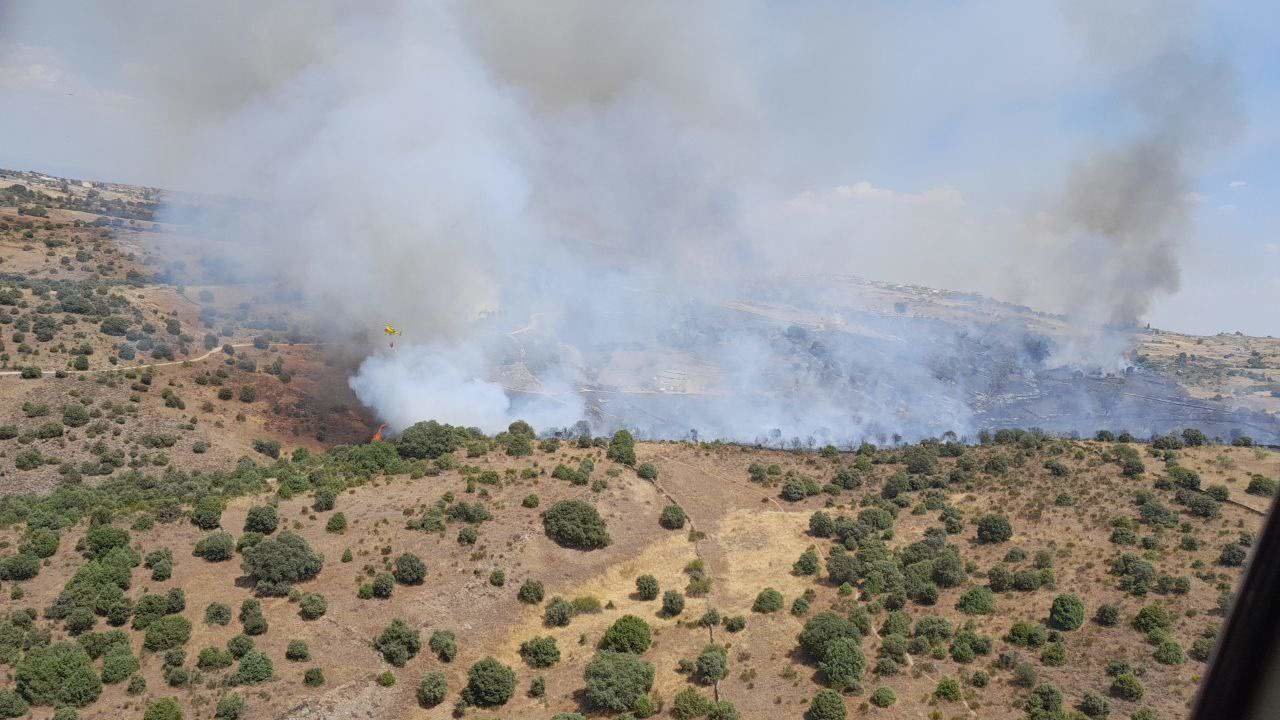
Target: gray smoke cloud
{"x": 574, "y": 195}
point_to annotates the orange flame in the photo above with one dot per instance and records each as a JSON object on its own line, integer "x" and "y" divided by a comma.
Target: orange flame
{"x": 377, "y": 436}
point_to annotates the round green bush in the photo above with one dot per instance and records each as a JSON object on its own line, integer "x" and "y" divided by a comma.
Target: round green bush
{"x": 826, "y": 705}
{"x": 262, "y": 519}
{"x": 1126, "y": 686}
{"x": 575, "y": 524}
{"x": 489, "y": 683}
{"x": 230, "y": 707}
{"x": 312, "y": 606}
{"x": 994, "y": 529}
{"x": 769, "y": 600}
{"x": 883, "y": 697}
{"x": 215, "y": 547}
{"x": 615, "y": 681}
{"x": 11, "y": 704}
{"x": 627, "y": 634}
{"x": 647, "y": 587}
{"x": 163, "y": 709}
{"x": 1067, "y": 612}
{"x": 169, "y": 631}
{"x": 530, "y": 592}
{"x": 842, "y": 664}
{"x": 672, "y": 603}
{"x": 410, "y": 570}
{"x": 255, "y": 667}
{"x": 432, "y": 689}
{"x": 672, "y": 518}
{"x": 540, "y": 652}
{"x": 977, "y": 601}
{"x": 398, "y": 643}
{"x": 444, "y": 645}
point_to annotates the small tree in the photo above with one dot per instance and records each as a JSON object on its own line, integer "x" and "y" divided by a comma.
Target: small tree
{"x": 616, "y": 681}
{"x": 432, "y": 689}
{"x": 647, "y": 587}
{"x": 489, "y": 683}
{"x": 826, "y": 705}
{"x": 768, "y": 601}
{"x": 410, "y": 570}
{"x": 262, "y": 519}
{"x": 1067, "y": 612}
{"x": 994, "y": 529}
{"x": 627, "y": 634}
{"x": 163, "y": 709}
{"x": 672, "y": 603}
{"x": 530, "y": 592}
{"x": 398, "y": 643}
{"x": 575, "y": 524}
{"x": 673, "y": 517}
{"x": 540, "y": 652}
{"x": 622, "y": 448}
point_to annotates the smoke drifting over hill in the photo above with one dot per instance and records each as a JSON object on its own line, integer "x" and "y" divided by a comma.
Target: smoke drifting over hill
{"x": 541, "y": 186}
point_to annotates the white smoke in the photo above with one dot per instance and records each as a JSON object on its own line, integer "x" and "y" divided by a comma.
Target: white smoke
{"x": 538, "y": 185}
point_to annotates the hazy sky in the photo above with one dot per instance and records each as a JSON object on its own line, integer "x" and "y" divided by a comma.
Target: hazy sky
{"x": 970, "y": 105}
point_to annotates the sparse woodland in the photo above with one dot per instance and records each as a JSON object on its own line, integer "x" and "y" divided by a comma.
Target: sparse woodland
{"x": 204, "y": 539}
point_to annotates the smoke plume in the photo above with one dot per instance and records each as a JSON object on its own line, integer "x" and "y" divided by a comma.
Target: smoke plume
{"x": 552, "y": 197}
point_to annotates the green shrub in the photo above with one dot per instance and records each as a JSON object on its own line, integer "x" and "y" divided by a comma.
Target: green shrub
{"x": 947, "y": 689}
{"x": 616, "y": 681}
{"x": 977, "y": 601}
{"x": 19, "y": 567}
{"x": 647, "y": 587}
{"x": 883, "y": 697}
{"x": 1067, "y": 612}
{"x": 312, "y": 606}
{"x": 826, "y": 705}
{"x": 118, "y": 664}
{"x": 409, "y": 569}
{"x": 297, "y": 651}
{"x": 432, "y": 689}
{"x": 398, "y": 643}
{"x": 337, "y": 523}
{"x": 627, "y": 634}
{"x": 1153, "y": 617}
{"x": 261, "y": 519}
{"x": 275, "y": 563}
{"x": 842, "y": 664}
{"x": 823, "y": 628}
{"x": 1107, "y": 615}
{"x": 994, "y": 529}
{"x": 489, "y": 683}
{"x": 230, "y": 707}
{"x": 163, "y": 709}
{"x": 1169, "y": 653}
{"x": 11, "y": 704}
{"x": 767, "y": 601}
{"x": 672, "y": 518}
{"x": 382, "y": 585}
{"x": 1127, "y": 687}
{"x": 647, "y": 471}
{"x": 57, "y": 674}
{"x": 215, "y": 547}
{"x": 530, "y": 592}
{"x": 239, "y": 646}
{"x": 444, "y": 645}
{"x": 622, "y": 448}
{"x": 672, "y": 603}
{"x": 313, "y": 677}
{"x": 540, "y": 652}
{"x": 689, "y": 704}
{"x": 169, "y": 631}
{"x": 212, "y": 658}
{"x": 255, "y": 667}
{"x": 575, "y": 524}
